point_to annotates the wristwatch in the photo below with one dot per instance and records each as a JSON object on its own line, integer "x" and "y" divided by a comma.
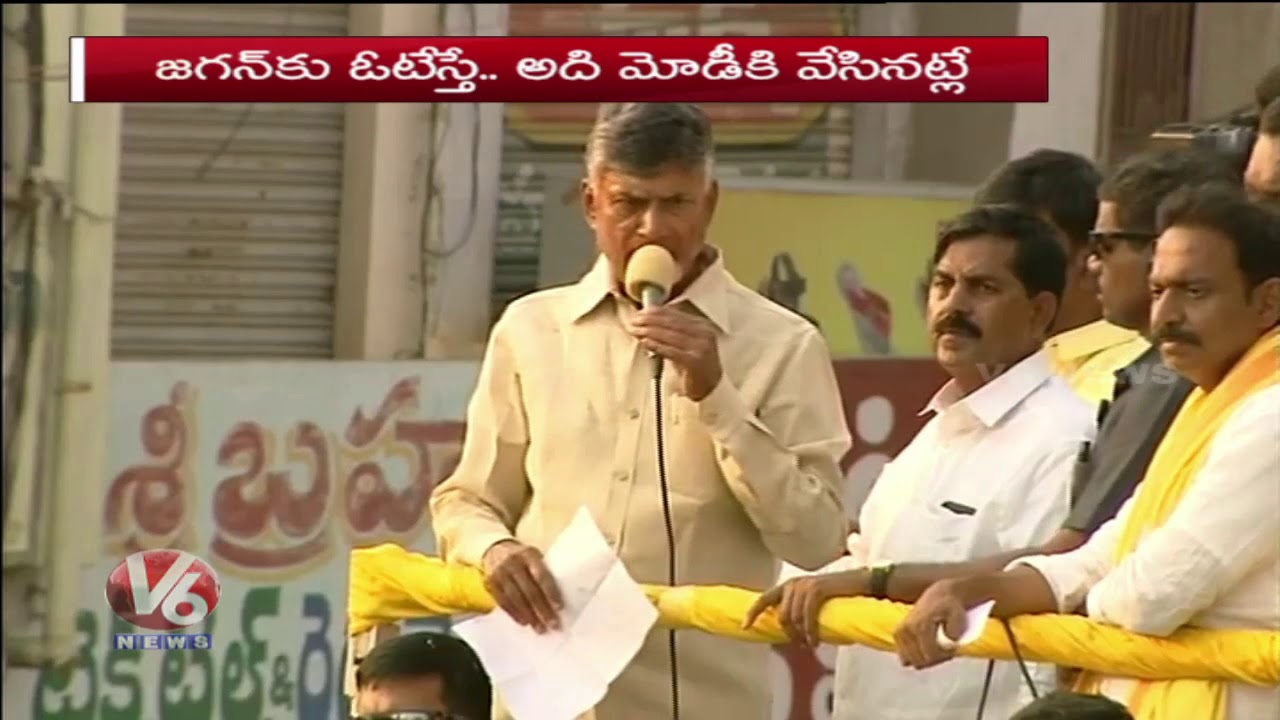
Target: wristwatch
{"x": 880, "y": 581}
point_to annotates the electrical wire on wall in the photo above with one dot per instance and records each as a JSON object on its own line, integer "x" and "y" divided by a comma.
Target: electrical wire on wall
{"x": 19, "y": 249}
{"x": 243, "y": 118}
{"x": 432, "y": 224}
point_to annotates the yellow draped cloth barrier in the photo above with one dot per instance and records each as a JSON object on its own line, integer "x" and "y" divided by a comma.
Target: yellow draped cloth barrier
{"x": 389, "y": 584}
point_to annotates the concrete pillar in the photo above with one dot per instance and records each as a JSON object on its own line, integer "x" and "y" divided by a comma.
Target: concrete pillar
{"x": 1070, "y": 120}
{"x": 882, "y": 131}
{"x": 378, "y": 304}
{"x": 960, "y": 143}
{"x": 461, "y": 241}
{"x": 390, "y": 250}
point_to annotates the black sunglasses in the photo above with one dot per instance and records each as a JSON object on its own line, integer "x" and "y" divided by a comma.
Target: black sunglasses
{"x": 1101, "y": 243}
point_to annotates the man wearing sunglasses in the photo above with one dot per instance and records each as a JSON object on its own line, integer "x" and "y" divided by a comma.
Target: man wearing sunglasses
{"x": 1147, "y": 392}
{"x": 1062, "y": 188}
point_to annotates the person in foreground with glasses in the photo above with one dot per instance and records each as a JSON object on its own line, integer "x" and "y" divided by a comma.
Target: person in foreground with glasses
{"x": 1198, "y": 544}
{"x": 422, "y": 676}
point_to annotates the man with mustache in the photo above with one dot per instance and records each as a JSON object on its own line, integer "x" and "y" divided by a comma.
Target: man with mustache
{"x": 1147, "y": 392}
{"x": 1147, "y": 395}
{"x": 1062, "y": 188}
{"x": 1198, "y": 544}
{"x": 989, "y": 473}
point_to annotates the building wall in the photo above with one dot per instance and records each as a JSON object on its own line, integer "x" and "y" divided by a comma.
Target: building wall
{"x": 1070, "y": 120}
{"x": 960, "y": 142}
{"x": 383, "y": 272}
{"x": 1234, "y": 44}
{"x": 390, "y": 249}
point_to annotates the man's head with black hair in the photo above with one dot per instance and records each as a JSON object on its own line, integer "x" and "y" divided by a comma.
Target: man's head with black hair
{"x": 1062, "y": 188}
{"x": 1073, "y": 706}
{"x": 1268, "y": 88}
{"x": 1262, "y": 176}
{"x": 423, "y": 671}
{"x": 1215, "y": 280}
{"x": 998, "y": 273}
{"x": 1123, "y": 240}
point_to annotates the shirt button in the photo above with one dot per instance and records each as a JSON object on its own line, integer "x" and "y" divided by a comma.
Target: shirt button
{"x": 634, "y": 414}
{"x": 620, "y": 475}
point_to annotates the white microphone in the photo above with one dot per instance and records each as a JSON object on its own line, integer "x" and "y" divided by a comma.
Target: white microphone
{"x": 650, "y": 274}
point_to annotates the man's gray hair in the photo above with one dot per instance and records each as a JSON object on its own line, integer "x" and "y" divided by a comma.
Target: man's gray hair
{"x": 641, "y": 138}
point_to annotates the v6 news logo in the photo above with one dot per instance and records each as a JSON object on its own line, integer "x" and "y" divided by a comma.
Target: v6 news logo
{"x": 163, "y": 590}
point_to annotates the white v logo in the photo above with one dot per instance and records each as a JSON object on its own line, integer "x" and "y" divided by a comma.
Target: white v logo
{"x": 145, "y": 598}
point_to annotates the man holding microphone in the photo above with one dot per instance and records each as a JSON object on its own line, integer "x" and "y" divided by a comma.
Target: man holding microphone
{"x": 563, "y": 417}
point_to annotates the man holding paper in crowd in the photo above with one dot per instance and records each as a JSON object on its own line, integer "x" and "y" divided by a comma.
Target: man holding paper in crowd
{"x": 990, "y": 472}
{"x": 1199, "y": 542}
{"x": 563, "y": 417}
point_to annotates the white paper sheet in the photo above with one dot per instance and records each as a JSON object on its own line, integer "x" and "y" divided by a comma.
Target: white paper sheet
{"x": 975, "y": 623}
{"x": 564, "y": 673}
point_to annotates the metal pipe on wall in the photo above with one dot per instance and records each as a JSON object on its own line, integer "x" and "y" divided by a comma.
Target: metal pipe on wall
{"x": 82, "y": 402}
{"x": 28, "y": 545}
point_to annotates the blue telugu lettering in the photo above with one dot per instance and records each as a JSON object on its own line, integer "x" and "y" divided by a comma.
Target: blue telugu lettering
{"x": 202, "y": 641}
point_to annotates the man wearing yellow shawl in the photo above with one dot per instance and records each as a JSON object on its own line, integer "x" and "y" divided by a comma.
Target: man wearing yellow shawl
{"x": 1199, "y": 542}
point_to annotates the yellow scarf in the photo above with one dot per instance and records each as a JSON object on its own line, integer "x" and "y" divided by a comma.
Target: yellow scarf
{"x": 1176, "y": 463}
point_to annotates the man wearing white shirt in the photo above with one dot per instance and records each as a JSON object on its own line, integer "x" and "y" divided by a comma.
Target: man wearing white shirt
{"x": 989, "y": 473}
{"x": 1199, "y": 542}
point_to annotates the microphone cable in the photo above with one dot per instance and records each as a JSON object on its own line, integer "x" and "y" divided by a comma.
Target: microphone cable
{"x": 991, "y": 668}
{"x": 671, "y": 531}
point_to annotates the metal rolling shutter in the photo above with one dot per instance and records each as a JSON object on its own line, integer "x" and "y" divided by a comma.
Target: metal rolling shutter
{"x": 821, "y": 149}
{"x": 227, "y": 231}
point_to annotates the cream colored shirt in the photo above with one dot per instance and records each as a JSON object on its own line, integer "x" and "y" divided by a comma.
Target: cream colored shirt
{"x": 1215, "y": 564}
{"x": 563, "y": 417}
{"x": 1002, "y": 459}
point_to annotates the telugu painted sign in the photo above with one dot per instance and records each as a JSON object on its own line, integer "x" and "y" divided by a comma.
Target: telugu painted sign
{"x": 272, "y": 472}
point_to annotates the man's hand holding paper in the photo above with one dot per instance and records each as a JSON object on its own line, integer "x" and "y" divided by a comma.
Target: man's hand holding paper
{"x": 522, "y": 585}
{"x": 549, "y": 673}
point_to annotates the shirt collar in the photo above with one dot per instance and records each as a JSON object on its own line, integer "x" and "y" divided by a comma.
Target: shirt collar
{"x": 708, "y": 294}
{"x": 1087, "y": 340}
{"x": 994, "y": 400}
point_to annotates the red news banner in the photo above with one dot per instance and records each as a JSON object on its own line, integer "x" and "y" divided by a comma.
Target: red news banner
{"x": 560, "y": 69}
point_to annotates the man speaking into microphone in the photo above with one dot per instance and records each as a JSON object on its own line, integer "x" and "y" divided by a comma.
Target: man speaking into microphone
{"x": 563, "y": 417}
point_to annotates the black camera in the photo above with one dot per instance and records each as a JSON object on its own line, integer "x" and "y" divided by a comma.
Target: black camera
{"x": 1231, "y": 137}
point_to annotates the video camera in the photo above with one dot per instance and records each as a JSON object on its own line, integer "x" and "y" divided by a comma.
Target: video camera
{"x": 1232, "y": 137}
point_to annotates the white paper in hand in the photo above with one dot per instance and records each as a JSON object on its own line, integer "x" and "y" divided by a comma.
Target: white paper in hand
{"x": 562, "y": 674}
{"x": 975, "y": 623}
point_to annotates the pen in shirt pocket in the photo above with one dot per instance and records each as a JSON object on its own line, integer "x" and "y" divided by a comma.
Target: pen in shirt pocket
{"x": 1086, "y": 447}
